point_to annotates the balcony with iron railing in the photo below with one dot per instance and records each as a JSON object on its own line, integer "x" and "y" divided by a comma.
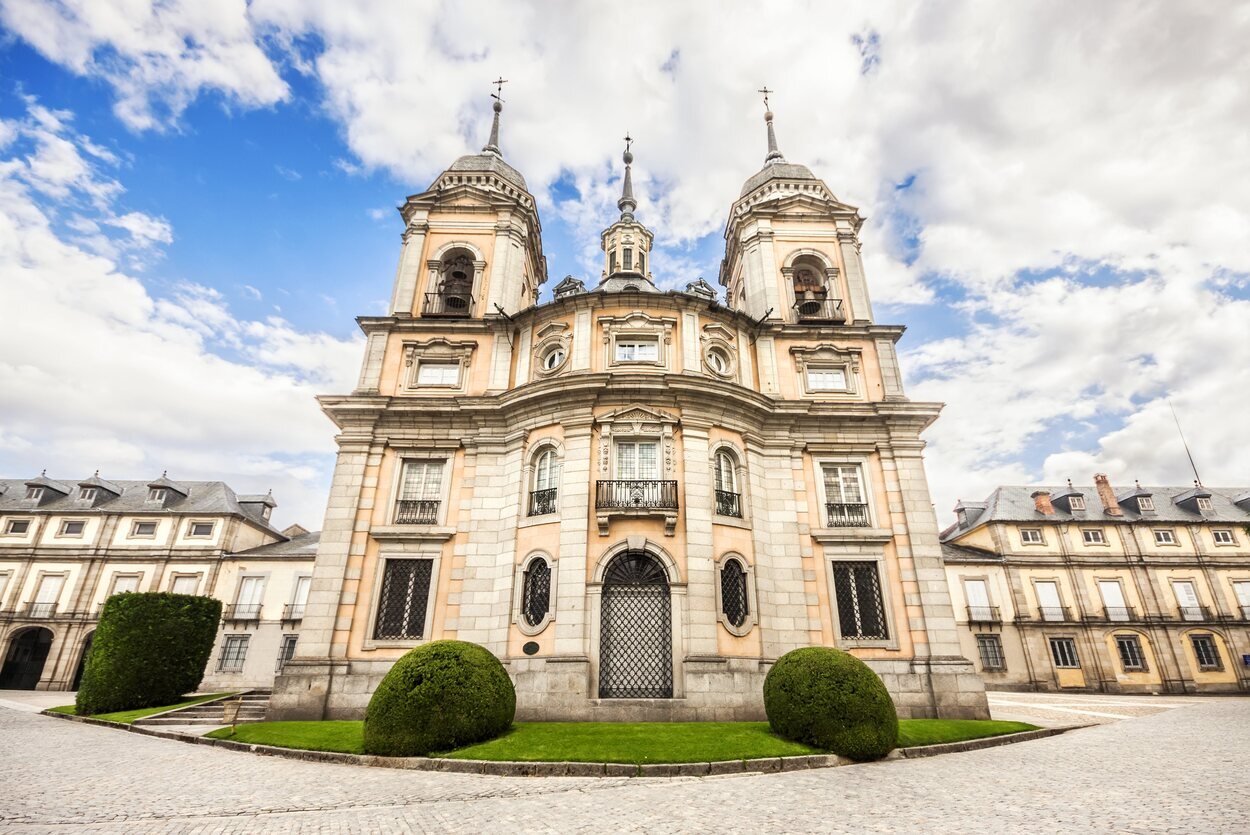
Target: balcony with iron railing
{"x": 241, "y": 612}
{"x": 984, "y": 614}
{"x": 843, "y": 515}
{"x": 293, "y": 612}
{"x": 448, "y": 305}
{"x": 636, "y": 497}
{"x": 1193, "y": 613}
{"x": 815, "y": 308}
{"x": 542, "y": 502}
{"x": 1117, "y": 614}
{"x": 40, "y": 610}
{"x": 416, "y": 512}
{"x": 1053, "y": 613}
{"x": 728, "y": 503}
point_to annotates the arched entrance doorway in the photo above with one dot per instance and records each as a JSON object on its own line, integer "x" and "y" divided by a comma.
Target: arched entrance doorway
{"x": 636, "y": 636}
{"x": 82, "y": 661}
{"x": 23, "y": 664}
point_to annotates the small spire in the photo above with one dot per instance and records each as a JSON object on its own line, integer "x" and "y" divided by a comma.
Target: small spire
{"x": 492, "y": 147}
{"x": 774, "y": 155}
{"x": 627, "y": 204}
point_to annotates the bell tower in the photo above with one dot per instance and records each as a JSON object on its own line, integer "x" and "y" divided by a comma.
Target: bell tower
{"x": 626, "y": 243}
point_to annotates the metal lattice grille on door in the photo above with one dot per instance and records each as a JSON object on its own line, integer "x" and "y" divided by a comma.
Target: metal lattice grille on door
{"x": 636, "y": 639}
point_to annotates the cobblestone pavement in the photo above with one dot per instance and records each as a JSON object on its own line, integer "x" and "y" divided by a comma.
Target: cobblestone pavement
{"x": 1066, "y": 709}
{"x": 1183, "y": 770}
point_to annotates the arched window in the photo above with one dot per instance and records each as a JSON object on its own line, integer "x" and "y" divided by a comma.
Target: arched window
{"x": 546, "y": 475}
{"x": 728, "y": 499}
{"x": 453, "y": 294}
{"x": 536, "y": 592}
{"x": 733, "y": 592}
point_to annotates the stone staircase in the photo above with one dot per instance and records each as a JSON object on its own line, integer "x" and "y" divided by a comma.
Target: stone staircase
{"x": 255, "y": 704}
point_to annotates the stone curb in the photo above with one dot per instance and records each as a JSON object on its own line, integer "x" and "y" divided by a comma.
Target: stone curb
{"x": 570, "y": 769}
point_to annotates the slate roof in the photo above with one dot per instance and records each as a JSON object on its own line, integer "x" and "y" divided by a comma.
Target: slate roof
{"x": 302, "y": 545}
{"x": 1015, "y": 504}
{"x": 208, "y": 497}
{"x": 776, "y": 171}
{"x": 489, "y": 164}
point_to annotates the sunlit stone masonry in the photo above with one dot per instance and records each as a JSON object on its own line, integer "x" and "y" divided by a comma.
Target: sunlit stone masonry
{"x": 638, "y": 499}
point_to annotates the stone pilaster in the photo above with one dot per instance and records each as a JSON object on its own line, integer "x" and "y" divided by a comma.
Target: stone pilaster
{"x": 403, "y": 301}
{"x": 576, "y": 483}
{"x": 371, "y": 368}
{"x": 779, "y": 584}
{"x": 857, "y": 286}
{"x": 700, "y": 559}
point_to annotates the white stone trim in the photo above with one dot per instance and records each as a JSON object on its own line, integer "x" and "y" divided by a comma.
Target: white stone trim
{"x": 743, "y": 480}
{"x": 441, "y": 351}
{"x": 717, "y": 337}
{"x": 638, "y": 325}
{"x": 861, "y": 461}
{"x": 446, "y": 455}
{"x": 883, "y": 583}
{"x": 518, "y": 594}
{"x": 430, "y": 604}
{"x": 537, "y": 448}
{"x": 752, "y": 601}
{"x": 828, "y": 356}
{"x": 549, "y": 338}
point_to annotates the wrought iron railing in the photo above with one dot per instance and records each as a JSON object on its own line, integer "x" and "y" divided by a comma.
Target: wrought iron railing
{"x": 1245, "y": 612}
{"x": 818, "y": 309}
{"x": 242, "y": 611}
{"x": 293, "y": 611}
{"x": 1118, "y": 613}
{"x": 1054, "y": 613}
{"x": 450, "y": 305}
{"x": 416, "y": 511}
{"x": 40, "y": 610}
{"x": 1194, "y": 613}
{"x": 983, "y": 614}
{"x": 842, "y": 515}
{"x": 542, "y": 501}
{"x": 728, "y": 503}
{"x": 636, "y": 493}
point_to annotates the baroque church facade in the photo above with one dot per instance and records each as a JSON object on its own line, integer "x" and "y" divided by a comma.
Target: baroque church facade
{"x": 637, "y": 499}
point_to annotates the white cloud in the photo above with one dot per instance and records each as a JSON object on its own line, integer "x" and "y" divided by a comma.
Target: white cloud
{"x": 97, "y": 372}
{"x": 1103, "y": 144}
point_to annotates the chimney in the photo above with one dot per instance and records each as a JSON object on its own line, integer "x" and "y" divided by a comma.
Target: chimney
{"x": 1109, "y": 504}
{"x": 1041, "y": 500}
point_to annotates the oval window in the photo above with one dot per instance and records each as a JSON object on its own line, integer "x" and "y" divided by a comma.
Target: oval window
{"x": 718, "y": 361}
{"x": 553, "y": 359}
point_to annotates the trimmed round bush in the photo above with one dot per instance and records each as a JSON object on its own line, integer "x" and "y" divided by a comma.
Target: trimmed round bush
{"x": 830, "y": 699}
{"x": 149, "y": 649}
{"x": 440, "y": 696}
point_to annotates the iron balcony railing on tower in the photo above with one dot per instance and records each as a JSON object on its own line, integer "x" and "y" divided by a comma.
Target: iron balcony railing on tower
{"x": 842, "y": 515}
{"x": 728, "y": 504}
{"x": 636, "y": 493}
{"x": 449, "y": 305}
{"x": 416, "y": 512}
{"x": 542, "y": 502}
{"x": 812, "y": 307}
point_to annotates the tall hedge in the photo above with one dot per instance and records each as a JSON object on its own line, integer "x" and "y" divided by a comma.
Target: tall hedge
{"x": 437, "y": 697}
{"x": 149, "y": 650}
{"x": 830, "y": 699}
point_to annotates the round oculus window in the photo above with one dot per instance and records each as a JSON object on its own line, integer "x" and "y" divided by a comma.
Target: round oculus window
{"x": 718, "y": 361}
{"x": 553, "y": 359}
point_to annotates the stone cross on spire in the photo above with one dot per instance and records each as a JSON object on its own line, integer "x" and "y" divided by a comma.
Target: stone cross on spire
{"x": 774, "y": 155}
{"x": 627, "y": 204}
{"x": 492, "y": 147}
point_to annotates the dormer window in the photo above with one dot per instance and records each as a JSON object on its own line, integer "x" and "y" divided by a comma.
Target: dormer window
{"x": 628, "y": 255}
{"x": 1145, "y": 504}
{"x": 1204, "y": 504}
{"x": 34, "y": 494}
{"x": 1076, "y": 502}
{"x": 264, "y": 514}
{"x": 157, "y": 494}
{"x": 88, "y": 494}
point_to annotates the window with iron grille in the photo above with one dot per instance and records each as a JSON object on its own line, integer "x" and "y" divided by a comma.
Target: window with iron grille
{"x": 536, "y": 592}
{"x": 1063, "y": 651}
{"x": 1207, "y": 653}
{"x": 287, "y": 651}
{"x": 733, "y": 592}
{"x": 233, "y": 653}
{"x": 1131, "y": 657}
{"x": 861, "y": 610}
{"x": 990, "y": 648}
{"x": 403, "y": 599}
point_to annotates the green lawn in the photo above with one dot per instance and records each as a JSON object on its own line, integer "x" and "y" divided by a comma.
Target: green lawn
{"x": 624, "y": 742}
{"x": 128, "y": 716}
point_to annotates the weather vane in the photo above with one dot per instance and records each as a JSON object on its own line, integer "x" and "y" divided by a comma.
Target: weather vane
{"x": 498, "y": 94}
{"x": 628, "y": 141}
{"x": 765, "y": 91}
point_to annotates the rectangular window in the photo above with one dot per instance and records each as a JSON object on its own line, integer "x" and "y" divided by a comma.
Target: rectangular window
{"x": 403, "y": 600}
{"x": 185, "y": 584}
{"x": 47, "y": 594}
{"x": 1113, "y": 600}
{"x": 233, "y": 653}
{"x": 420, "y": 493}
{"x": 124, "y": 583}
{"x": 34, "y": 494}
{"x": 1048, "y": 601}
{"x": 612, "y": 261}
{"x": 17, "y": 527}
{"x": 1145, "y": 503}
{"x": 87, "y": 494}
{"x": 861, "y": 609}
{"x": 628, "y": 255}
{"x": 637, "y": 460}
{"x": 977, "y": 594}
{"x": 287, "y": 651}
{"x": 1241, "y": 588}
{"x": 637, "y": 349}
{"x": 1063, "y": 650}
{"x": 1031, "y": 536}
{"x": 1223, "y": 536}
{"x": 826, "y": 379}
{"x": 1204, "y": 503}
{"x": 1207, "y": 653}
{"x": 1093, "y": 536}
{"x": 200, "y": 530}
{"x": 1187, "y": 600}
{"x": 72, "y": 527}
{"x": 990, "y": 648}
{"x": 247, "y": 602}
{"x": 438, "y": 374}
{"x": 143, "y": 530}
{"x": 1131, "y": 657}
{"x": 1076, "y": 502}
{"x": 156, "y": 494}
{"x": 843, "y": 483}
{"x": 1164, "y": 536}
{"x": 4, "y": 585}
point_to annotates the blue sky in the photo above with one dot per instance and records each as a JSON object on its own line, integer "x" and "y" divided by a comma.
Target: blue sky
{"x": 198, "y": 202}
